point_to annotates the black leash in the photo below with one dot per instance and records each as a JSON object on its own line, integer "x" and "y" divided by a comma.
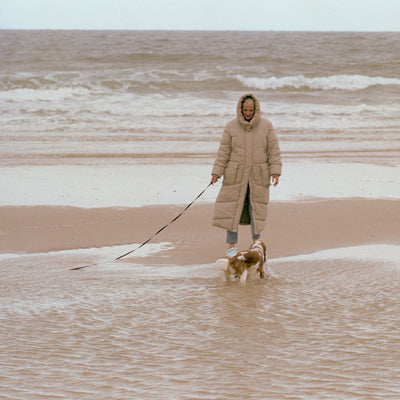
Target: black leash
{"x": 148, "y": 240}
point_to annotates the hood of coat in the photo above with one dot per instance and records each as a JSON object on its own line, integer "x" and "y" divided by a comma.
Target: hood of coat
{"x": 257, "y": 113}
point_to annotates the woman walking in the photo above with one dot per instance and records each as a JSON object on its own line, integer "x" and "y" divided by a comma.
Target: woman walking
{"x": 249, "y": 160}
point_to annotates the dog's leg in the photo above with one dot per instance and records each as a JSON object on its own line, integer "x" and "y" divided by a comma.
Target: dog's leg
{"x": 243, "y": 277}
{"x": 261, "y": 269}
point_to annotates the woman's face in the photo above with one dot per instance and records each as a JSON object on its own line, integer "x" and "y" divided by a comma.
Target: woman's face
{"x": 248, "y": 109}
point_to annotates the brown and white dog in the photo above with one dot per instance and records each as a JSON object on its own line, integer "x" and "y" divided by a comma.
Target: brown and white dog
{"x": 247, "y": 262}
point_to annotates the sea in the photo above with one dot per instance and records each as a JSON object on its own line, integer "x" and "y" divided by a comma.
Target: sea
{"x": 128, "y": 97}
{"x": 132, "y": 118}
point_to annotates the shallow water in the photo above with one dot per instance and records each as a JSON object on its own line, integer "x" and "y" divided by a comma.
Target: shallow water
{"x": 317, "y": 328}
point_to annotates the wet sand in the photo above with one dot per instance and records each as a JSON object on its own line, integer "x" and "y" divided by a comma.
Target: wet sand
{"x": 293, "y": 228}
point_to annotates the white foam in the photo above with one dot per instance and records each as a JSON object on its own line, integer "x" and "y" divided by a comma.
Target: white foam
{"x": 107, "y": 253}
{"x": 58, "y": 95}
{"x": 337, "y": 180}
{"x": 103, "y": 186}
{"x": 378, "y": 252}
{"x": 139, "y": 185}
{"x": 340, "y": 82}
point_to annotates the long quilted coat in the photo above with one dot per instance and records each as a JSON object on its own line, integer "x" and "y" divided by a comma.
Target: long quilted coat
{"x": 248, "y": 156}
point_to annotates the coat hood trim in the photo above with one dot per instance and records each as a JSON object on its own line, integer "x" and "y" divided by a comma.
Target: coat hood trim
{"x": 257, "y": 114}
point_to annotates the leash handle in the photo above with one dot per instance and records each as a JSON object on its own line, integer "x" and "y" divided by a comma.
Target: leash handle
{"x": 149, "y": 239}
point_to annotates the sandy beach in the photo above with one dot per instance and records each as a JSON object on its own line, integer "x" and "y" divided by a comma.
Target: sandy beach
{"x": 101, "y": 146}
{"x": 293, "y": 228}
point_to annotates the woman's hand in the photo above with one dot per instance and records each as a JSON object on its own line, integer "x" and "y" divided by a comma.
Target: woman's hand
{"x": 275, "y": 179}
{"x": 214, "y": 179}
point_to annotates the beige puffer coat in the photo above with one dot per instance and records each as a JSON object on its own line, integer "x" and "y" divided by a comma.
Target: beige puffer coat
{"x": 248, "y": 156}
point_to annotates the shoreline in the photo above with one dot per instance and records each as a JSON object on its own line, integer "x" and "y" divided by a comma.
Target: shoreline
{"x": 293, "y": 228}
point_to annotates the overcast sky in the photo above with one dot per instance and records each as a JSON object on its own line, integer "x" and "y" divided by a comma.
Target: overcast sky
{"x": 328, "y": 15}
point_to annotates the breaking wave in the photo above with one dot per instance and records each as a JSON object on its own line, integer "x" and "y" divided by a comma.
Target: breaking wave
{"x": 172, "y": 80}
{"x": 335, "y": 82}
